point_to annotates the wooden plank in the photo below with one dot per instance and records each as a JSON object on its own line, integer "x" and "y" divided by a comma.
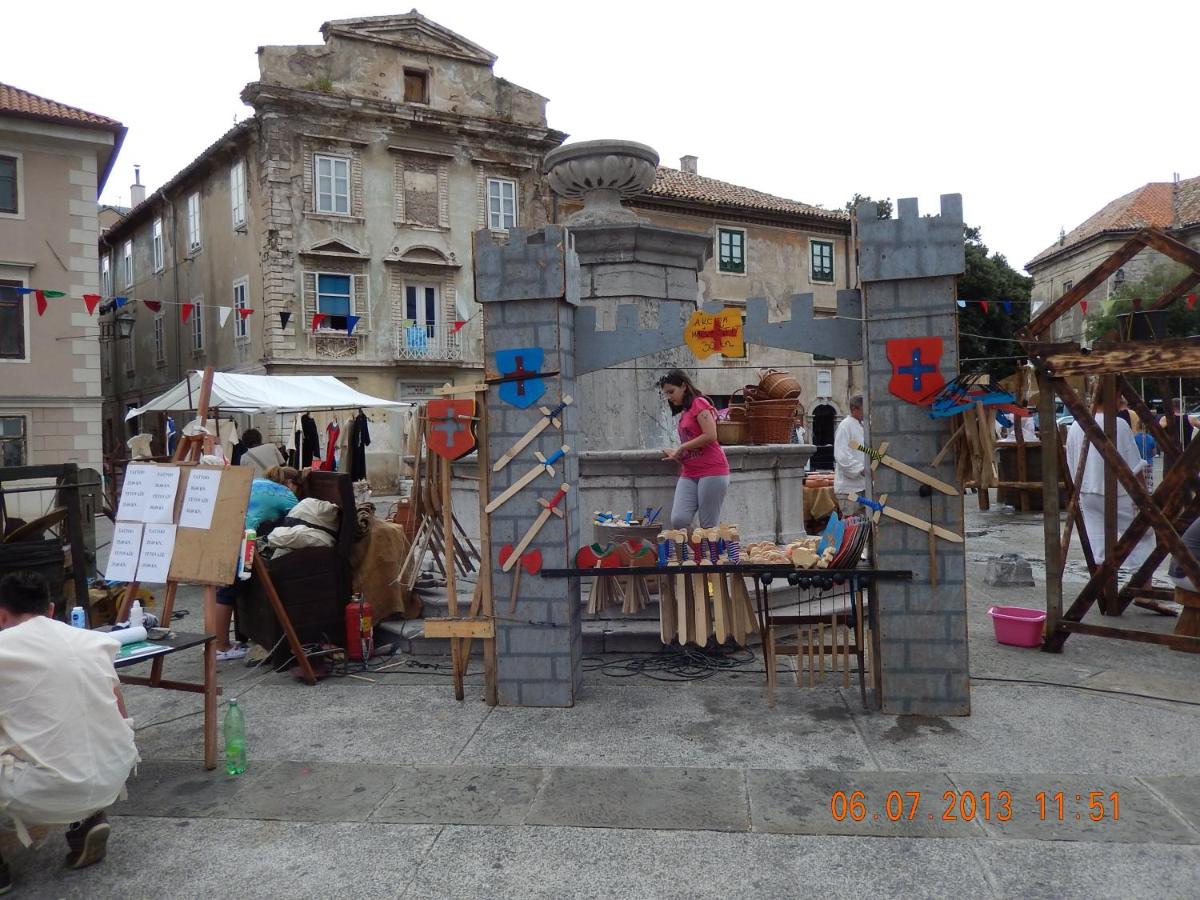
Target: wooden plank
{"x": 1179, "y": 641}
{"x": 452, "y": 628}
{"x": 1178, "y": 291}
{"x": 1172, "y": 357}
{"x": 452, "y": 390}
{"x": 1166, "y": 442}
{"x": 904, "y": 517}
{"x": 1050, "y": 498}
{"x": 1108, "y": 593}
{"x": 1168, "y": 246}
{"x": 487, "y": 600}
{"x": 1051, "y": 314}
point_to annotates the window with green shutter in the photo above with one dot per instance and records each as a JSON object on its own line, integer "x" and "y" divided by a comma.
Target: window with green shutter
{"x": 822, "y": 260}
{"x": 731, "y": 247}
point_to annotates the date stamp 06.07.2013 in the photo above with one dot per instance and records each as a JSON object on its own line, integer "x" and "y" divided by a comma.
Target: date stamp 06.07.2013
{"x": 970, "y": 806}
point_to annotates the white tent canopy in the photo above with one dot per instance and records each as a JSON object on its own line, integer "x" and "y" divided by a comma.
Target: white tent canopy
{"x": 265, "y": 394}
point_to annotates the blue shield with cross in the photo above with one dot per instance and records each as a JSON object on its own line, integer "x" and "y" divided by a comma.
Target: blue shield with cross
{"x": 521, "y": 384}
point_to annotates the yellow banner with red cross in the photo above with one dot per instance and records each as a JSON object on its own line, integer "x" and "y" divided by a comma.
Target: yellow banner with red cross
{"x": 723, "y": 332}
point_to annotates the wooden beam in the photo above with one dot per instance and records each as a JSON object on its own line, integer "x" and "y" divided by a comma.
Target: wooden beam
{"x": 1168, "y": 246}
{"x": 1178, "y": 291}
{"x": 1051, "y": 314}
{"x": 1171, "y": 357}
{"x": 1167, "y": 639}
{"x": 1138, "y": 405}
{"x": 1108, "y": 592}
{"x": 1050, "y": 454}
{"x": 479, "y": 627}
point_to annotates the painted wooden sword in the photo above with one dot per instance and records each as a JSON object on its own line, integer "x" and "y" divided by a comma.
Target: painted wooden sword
{"x": 881, "y": 456}
{"x": 549, "y": 417}
{"x": 544, "y": 464}
{"x": 881, "y": 507}
{"x": 548, "y": 507}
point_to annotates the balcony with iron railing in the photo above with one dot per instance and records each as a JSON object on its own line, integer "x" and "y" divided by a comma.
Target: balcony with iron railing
{"x": 430, "y": 343}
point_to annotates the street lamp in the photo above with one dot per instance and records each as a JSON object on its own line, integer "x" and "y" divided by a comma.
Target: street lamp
{"x": 118, "y": 328}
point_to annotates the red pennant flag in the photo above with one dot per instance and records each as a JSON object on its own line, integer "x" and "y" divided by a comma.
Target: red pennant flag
{"x": 244, "y": 312}
{"x": 1191, "y": 301}
{"x": 40, "y": 296}
{"x": 984, "y": 304}
{"x": 318, "y": 318}
{"x": 1083, "y": 306}
{"x": 90, "y": 301}
{"x": 185, "y": 312}
{"x": 154, "y": 305}
{"x": 458, "y": 324}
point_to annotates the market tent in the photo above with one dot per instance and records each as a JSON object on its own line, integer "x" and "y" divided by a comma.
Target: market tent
{"x": 265, "y": 394}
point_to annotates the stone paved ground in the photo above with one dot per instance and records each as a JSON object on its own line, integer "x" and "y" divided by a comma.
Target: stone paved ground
{"x": 388, "y": 788}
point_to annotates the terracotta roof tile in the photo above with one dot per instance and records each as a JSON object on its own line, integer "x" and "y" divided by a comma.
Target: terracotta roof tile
{"x": 1159, "y": 204}
{"x": 674, "y": 184}
{"x": 14, "y": 101}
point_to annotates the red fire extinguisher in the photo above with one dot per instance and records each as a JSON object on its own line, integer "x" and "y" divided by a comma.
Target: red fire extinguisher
{"x": 360, "y": 634}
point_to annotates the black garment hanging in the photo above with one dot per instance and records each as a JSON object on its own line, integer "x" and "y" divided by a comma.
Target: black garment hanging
{"x": 360, "y": 439}
{"x": 311, "y": 441}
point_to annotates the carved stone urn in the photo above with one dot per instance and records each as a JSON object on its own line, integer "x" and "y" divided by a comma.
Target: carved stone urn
{"x": 601, "y": 174}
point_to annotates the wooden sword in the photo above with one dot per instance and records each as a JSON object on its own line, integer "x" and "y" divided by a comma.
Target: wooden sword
{"x": 881, "y": 456}
{"x": 544, "y": 464}
{"x": 548, "y": 507}
{"x": 549, "y": 417}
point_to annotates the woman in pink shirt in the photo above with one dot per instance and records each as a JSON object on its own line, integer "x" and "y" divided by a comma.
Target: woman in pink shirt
{"x": 704, "y": 478}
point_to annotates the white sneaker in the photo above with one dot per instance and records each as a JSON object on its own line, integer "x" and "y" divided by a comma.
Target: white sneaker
{"x": 236, "y": 651}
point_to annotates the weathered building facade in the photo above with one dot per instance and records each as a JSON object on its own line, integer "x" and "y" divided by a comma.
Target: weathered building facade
{"x": 350, "y": 196}
{"x": 54, "y": 160}
{"x": 1173, "y": 206}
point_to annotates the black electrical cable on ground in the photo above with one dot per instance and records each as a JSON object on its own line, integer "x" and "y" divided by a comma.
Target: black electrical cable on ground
{"x": 673, "y": 664}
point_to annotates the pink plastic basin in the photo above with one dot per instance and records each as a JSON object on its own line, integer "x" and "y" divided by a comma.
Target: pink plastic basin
{"x": 1017, "y": 625}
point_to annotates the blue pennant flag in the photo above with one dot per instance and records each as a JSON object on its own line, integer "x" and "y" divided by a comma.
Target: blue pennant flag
{"x": 118, "y": 302}
{"x": 351, "y": 321}
{"x": 962, "y": 304}
{"x": 1007, "y": 306}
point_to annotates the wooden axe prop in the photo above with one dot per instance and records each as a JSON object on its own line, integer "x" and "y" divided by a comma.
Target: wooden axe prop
{"x": 549, "y": 417}
{"x": 881, "y": 456}
{"x": 544, "y": 464}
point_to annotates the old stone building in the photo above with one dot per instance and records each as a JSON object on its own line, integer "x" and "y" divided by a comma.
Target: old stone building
{"x": 1173, "y": 206}
{"x": 54, "y": 160}
{"x": 350, "y": 195}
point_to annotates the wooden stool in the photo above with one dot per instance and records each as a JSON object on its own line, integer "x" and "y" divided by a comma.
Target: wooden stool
{"x": 1189, "y": 618}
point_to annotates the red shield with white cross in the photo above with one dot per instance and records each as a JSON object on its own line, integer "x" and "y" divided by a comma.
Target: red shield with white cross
{"x": 451, "y": 427}
{"x": 916, "y": 373}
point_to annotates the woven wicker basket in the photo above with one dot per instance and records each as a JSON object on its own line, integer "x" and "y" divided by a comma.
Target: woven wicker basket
{"x": 767, "y": 428}
{"x": 732, "y": 433}
{"x": 778, "y": 385}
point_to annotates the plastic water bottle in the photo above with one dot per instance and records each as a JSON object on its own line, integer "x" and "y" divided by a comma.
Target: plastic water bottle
{"x": 136, "y": 615}
{"x": 78, "y": 619}
{"x": 235, "y": 740}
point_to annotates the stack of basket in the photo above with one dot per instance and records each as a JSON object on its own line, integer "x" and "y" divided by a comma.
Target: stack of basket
{"x": 734, "y": 429}
{"x": 771, "y": 407}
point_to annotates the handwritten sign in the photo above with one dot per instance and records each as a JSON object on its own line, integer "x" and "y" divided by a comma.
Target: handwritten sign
{"x": 123, "y": 557}
{"x": 158, "y": 545}
{"x": 200, "y": 498}
{"x": 722, "y": 333}
{"x": 160, "y": 495}
{"x": 135, "y": 490}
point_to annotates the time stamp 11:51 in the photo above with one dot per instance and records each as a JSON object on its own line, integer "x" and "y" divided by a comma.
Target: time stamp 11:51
{"x": 967, "y": 806}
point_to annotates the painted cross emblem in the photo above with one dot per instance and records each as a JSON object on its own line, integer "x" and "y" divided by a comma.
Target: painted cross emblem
{"x": 522, "y": 367}
{"x": 451, "y": 427}
{"x": 709, "y": 333}
{"x": 916, "y": 377}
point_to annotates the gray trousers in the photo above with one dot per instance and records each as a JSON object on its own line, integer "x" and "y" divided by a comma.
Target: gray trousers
{"x": 703, "y": 494}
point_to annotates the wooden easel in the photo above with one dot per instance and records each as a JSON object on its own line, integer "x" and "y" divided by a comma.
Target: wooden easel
{"x": 188, "y": 451}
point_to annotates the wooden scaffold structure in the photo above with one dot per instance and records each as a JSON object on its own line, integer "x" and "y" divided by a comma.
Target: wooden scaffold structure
{"x": 1174, "y": 503}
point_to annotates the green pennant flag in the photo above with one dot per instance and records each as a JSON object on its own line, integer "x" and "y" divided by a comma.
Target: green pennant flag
{"x": 55, "y": 293}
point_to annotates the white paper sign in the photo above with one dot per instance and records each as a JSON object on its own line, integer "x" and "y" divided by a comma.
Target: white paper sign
{"x": 158, "y": 545}
{"x": 160, "y": 496}
{"x": 200, "y": 498}
{"x": 135, "y": 490}
{"x": 126, "y": 546}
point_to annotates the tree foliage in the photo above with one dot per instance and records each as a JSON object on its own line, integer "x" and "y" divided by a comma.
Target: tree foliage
{"x": 986, "y": 339}
{"x": 1181, "y": 321}
{"x": 885, "y": 206}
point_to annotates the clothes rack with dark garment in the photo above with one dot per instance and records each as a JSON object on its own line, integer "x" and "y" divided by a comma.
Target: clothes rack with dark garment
{"x": 360, "y": 439}
{"x": 310, "y": 441}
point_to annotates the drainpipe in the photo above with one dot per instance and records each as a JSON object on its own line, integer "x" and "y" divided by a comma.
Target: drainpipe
{"x": 175, "y": 275}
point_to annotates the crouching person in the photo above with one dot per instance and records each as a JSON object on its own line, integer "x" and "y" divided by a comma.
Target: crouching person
{"x": 66, "y": 744}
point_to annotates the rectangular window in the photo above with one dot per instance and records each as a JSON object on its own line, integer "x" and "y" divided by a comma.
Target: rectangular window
{"x": 160, "y": 342}
{"x": 9, "y": 201}
{"x": 12, "y": 321}
{"x": 12, "y": 441}
{"x": 157, "y": 245}
{"x": 240, "y": 329}
{"x": 731, "y": 246}
{"x": 502, "y": 203}
{"x": 333, "y": 298}
{"x": 332, "y": 184}
{"x": 822, "y": 260}
{"x": 824, "y": 383}
{"x": 421, "y": 306}
{"x": 197, "y": 323}
{"x": 416, "y": 86}
{"x": 127, "y": 262}
{"x": 237, "y": 192}
{"x": 105, "y": 276}
{"x": 193, "y": 220}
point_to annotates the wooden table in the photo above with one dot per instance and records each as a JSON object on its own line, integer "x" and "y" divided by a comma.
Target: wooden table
{"x": 818, "y": 503}
{"x": 177, "y": 641}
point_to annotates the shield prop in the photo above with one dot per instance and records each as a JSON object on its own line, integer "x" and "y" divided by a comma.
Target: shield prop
{"x": 451, "y": 427}
{"x": 916, "y": 377}
{"x": 522, "y": 368}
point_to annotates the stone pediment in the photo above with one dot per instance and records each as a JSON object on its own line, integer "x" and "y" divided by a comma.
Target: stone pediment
{"x": 412, "y": 32}
{"x": 332, "y": 247}
{"x": 423, "y": 255}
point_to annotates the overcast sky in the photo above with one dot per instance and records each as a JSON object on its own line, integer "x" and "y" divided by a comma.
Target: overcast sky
{"x": 1038, "y": 113}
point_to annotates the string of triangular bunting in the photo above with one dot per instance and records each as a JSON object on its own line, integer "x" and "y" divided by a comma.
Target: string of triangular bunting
{"x": 1106, "y": 305}
{"x": 91, "y": 301}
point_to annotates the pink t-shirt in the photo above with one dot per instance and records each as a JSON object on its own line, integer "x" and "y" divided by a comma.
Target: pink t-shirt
{"x": 700, "y": 462}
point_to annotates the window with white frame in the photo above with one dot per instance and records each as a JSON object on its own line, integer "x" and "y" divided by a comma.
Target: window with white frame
{"x": 193, "y": 221}
{"x": 822, "y": 260}
{"x": 10, "y": 185}
{"x": 127, "y": 262}
{"x": 13, "y": 451}
{"x": 105, "y": 276}
{"x": 334, "y": 298}
{"x": 241, "y": 330}
{"x": 331, "y": 184}
{"x": 197, "y": 323}
{"x": 160, "y": 340}
{"x": 13, "y": 312}
{"x": 731, "y": 255}
{"x": 156, "y": 243}
{"x": 824, "y": 382}
{"x": 237, "y": 192}
{"x": 422, "y": 306}
{"x": 501, "y": 203}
